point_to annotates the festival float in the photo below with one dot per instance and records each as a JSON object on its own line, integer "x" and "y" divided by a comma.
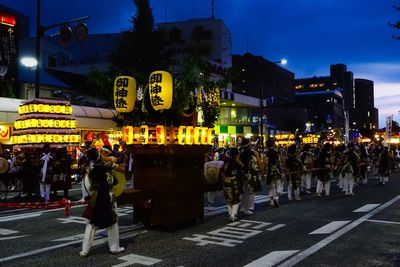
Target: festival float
{"x": 47, "y": 121}
{"x": 168, "y": 158}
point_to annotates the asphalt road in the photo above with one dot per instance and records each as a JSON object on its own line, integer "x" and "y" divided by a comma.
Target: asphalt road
{"x": 362, "y": 230}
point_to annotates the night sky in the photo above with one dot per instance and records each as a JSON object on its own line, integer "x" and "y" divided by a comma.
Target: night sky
{"x": 311, "y": 34}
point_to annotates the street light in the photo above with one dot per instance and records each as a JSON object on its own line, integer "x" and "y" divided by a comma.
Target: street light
{"x": 283, "y": 62}
{"x": 29, "y": 62}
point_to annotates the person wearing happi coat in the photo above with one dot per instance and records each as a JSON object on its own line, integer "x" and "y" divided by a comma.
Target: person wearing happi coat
{"x": 102, "y": 200}
{"x": 46, "y": 172}
{"x": 232, "y": 183}
{"x": 349, "y": 170}
{"x": 274, "y": 174}
{"x": 385, "y": 165}
{"x": 252, "y": 170}
{"x": 294, "y": 168}
{"x": 324, "y": 168}
{"x": 307, "y": 160}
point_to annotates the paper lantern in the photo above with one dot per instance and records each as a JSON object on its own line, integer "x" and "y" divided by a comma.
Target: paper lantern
{"x": 181, "y": 135}
{"x": 128, "y": 134}
{"x": 160, "y": 90}
{"x": 189, "y": 135}
{"x": 124, "y": 94}
{"x": 144, "y": 134}
{"x": 197, "y": 136}
{"x": 160, "y": 134}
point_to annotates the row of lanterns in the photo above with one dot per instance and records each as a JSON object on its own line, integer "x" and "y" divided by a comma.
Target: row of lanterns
{"x": 45, "y": 138}
{"x": 45, "y": 108}
{"x": 183, "y": 135}
{"x": 45, "y": 123}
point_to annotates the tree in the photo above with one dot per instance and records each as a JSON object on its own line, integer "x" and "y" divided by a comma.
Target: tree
{"x": 142, "y": 50}
{"x": 395, "y": 25}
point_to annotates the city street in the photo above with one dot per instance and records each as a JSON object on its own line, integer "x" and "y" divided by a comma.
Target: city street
{"x": 362, "y": 230}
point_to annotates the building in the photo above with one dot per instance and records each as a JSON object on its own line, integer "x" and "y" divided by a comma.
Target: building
{"x": 365, "y": 113}
{"x": 258, "y": 77}
{"x": 210, "y": 32}
{"x": 345, "y": 102}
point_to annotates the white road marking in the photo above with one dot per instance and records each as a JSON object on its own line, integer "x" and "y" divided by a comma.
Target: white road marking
{"x": 275, "y": 227}
{"x": 329, "y": 228}
{"x": 7, "y": 232}
{"x": 247, "y": 223}
{"x": 379, "y": 221}
{"x": 232, "y": 232}
{"x": 204, "y": 240}
{"x": 43, "y": 250}
{"x": 272, "y": 258}
{"x": 367, "y": 208}
{"x": 311, "y": 250}
{"x": 12, "y": 237}
{"x": 69, "y": 238}
{"x": 136, "y": 259}
{"x": 20, "y": 216}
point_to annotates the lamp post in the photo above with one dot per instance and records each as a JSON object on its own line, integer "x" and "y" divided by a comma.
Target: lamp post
{"x": 282, "y": 61}
{"x": 37, "y": 55}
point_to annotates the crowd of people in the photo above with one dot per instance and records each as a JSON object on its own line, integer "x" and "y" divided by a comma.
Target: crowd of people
{"x": 299, "y": 168}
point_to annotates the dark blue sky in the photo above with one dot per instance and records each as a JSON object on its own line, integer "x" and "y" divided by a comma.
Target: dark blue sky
{"x": 311, "y": 34}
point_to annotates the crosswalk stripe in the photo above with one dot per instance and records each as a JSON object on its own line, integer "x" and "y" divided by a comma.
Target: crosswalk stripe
{"x": 329, "y": 228}
{"x": 367, "y": 208}
{"x": 271, "y": 258}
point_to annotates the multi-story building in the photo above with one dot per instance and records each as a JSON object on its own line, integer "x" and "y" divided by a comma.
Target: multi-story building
{"x": 258, "y": 77}
{"x": 209, "y": 32}
{"x": 343, "y": 101}
{"x": 365, "y": 113}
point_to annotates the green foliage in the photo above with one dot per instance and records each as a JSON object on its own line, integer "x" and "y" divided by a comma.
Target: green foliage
{"x": 395, "y": 25}
{"x": 142, "y": 50}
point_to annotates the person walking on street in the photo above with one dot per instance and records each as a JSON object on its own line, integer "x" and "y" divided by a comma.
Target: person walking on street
{"x": 252, "y": 170}
{"x": 307, "y": 159}
{"x": 384, "y": 166}
{"x": 232, "y": 184}
{"x": 274, "y": 174}
{"x": 294, "y": 168}
{"x": 324, "y": 167}
{"x": 349, "y": 170}
{"x": 46, "y": 172}
{"x": 102, "y": 200}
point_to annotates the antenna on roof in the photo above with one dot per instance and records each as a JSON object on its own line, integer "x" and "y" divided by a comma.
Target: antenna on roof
{"x": 212, "y": 8}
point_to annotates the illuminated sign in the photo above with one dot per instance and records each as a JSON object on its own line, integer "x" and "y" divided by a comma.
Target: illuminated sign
{"x": 7, "y": 19}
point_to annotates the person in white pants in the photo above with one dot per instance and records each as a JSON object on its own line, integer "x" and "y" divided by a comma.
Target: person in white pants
{"x": 231, "y": 184}
{"x": 324, "y": 167}
{"x": 46, "y": 172}
{"x": 102, "y": 201}
{"x": 307, "y": 158}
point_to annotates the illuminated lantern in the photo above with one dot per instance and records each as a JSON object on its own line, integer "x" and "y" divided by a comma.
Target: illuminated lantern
{"x": 197, "y": 135}
{"x": 124, "y": 94}
{"x": 128, "y": 135}
{"x": 144, "y": 134}
{"x": 160, "y": 134}
{"x": 211, "y": 135}
{"x": 160, "y": 90}
{"x": 189, "y": 135}
{"x": 204, "y": 136}
{"x": 181, "y": 135}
